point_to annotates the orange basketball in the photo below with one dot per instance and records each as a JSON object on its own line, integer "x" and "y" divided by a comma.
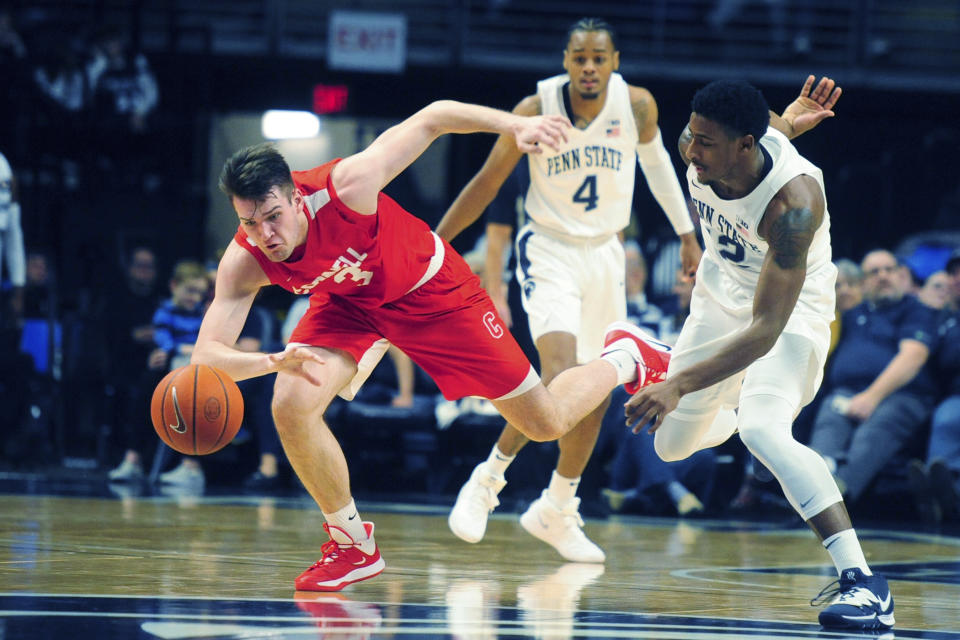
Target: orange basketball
{"x": 196, "y": 409}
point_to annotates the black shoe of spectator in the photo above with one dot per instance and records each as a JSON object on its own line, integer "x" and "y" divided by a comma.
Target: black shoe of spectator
{"x": 944, "y": 486}
{"x": 924, "y": 499}
{"x": 260, "y": 482}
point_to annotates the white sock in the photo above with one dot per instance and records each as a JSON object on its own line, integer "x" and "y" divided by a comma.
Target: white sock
{"x": 498, "y": 461}
{"x": 562, "y": 490}
{"x": 623, "y": 362}
{"x": 348, "y": 519}
{"x": 844, "y": 548}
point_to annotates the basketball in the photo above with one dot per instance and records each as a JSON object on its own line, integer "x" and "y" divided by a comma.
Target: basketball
{"x": 196, "y": 409}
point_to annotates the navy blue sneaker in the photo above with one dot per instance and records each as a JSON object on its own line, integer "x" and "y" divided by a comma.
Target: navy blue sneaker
{"x": 861, "y": 602}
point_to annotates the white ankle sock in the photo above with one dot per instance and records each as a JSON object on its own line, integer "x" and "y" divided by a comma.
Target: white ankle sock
{"x": 348, "y": 519}
{"x": 623, "y": 362}
{"x": 498, "y": 461}
{"x": 562, "y": 490}
{"x": 844, "y": 548}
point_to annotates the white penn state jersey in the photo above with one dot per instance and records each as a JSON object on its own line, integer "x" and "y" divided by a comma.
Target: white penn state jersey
{"x": 586, "y": 188}
{"x": 734, "y": 252}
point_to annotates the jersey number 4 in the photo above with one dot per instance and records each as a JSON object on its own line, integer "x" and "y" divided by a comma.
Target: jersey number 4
{"x": 587, "y": 193}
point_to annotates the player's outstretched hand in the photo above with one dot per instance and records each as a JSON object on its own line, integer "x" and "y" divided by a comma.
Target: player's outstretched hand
{"x": 652, "y": 403}
{"x": 813, "y": 105}
{"x": 298, "y": 361}
{"x": 535, "y": 132}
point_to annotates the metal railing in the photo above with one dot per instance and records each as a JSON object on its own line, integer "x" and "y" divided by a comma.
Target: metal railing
{"x": 879, "y": 43}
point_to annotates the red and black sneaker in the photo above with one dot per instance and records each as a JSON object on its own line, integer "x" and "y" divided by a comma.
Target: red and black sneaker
{"x": 342, "y": 562}
{"x": 651, "y": 355}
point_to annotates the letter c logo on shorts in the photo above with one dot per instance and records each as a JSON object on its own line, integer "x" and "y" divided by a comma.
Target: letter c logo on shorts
{"x": 493, "y": 326}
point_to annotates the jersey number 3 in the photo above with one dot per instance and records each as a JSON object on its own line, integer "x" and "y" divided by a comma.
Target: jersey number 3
{"x": 587, "y": 193}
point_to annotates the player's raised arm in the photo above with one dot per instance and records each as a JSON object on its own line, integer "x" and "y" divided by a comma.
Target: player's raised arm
{"x": 239, "y": 277}
{"x": 812, "y": 106}
{"x": 359, "y": 178}
{"x": 477, "y": 195}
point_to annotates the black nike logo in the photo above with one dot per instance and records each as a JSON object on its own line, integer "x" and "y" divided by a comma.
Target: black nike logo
{"x": 181, "y": 426}
{"x": 353, "y": 516}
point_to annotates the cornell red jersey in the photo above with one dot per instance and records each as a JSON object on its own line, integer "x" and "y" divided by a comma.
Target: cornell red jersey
{"x": 369, "y": 259}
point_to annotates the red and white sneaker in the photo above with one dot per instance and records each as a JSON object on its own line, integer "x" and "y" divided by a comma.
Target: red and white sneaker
{"x": 651, "y": 355}
{"x": 341, "y": 617}
{"x": 342, "y": 563}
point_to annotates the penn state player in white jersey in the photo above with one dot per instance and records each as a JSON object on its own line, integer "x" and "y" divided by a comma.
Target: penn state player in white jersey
{"x": 758, "y": 329}
{"x": 570, "y": 262}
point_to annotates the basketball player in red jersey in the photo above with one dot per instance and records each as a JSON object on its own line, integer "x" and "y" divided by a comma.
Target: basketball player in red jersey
{"x": 377, "y": 273}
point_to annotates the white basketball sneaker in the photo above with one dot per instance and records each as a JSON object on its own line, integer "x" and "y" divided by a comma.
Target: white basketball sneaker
{"x": 562, "y": 529}
{"x": 475, "y": 502}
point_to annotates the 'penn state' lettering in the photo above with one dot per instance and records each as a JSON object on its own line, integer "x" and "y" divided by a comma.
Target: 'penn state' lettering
{"x": 590, "y": 156}
{"x": 342, "y": 268}
{"x": 704, "y": 210}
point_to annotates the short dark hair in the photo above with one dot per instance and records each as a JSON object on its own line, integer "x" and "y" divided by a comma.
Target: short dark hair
{"x": 252, "y": 172}
{"x": 736, "y": 105}
{"x": 592, "y": 24}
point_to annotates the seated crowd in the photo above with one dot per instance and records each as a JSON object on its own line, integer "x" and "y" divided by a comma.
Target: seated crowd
{"x": 887, "y": 416}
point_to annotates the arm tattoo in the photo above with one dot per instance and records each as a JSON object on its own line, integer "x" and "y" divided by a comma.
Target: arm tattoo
{"x": 790, "y": 236}
{"x": 640, "y": 113}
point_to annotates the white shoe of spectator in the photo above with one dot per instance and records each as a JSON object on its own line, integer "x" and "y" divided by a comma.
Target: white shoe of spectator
{"x": 184, "y": 475}
{"x": 127, "y": 471}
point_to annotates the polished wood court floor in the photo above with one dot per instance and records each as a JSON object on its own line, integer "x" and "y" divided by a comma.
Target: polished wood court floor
{"x": 223, "y": 567}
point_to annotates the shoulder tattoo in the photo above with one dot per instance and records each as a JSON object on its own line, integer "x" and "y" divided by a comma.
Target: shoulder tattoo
{"x": 790, "y": 236}
{"x": 640, "y": 112}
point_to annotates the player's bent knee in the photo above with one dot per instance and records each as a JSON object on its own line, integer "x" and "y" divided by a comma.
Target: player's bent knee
{"x": 292, "y": 404}
{"x": 669, "y": 449}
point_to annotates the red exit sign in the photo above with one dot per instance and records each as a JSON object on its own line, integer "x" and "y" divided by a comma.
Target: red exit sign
{"x": 330, "y": 98}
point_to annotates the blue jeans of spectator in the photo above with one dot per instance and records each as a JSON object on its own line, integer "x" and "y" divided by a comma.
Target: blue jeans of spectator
{"x": 636, "y": 465}
{"x": 945, "y": 434}
{"x": 863, "y": 449}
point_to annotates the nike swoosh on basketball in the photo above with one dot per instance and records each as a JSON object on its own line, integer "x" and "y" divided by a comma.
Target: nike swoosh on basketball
{"x": 181, "y": 426}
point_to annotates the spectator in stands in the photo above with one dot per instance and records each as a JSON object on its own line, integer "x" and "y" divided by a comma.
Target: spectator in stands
{"x": 258, "y": 334}
{"x": 12, "y": 49}
{"x": 174, "y": 331}
{"x": 880, "y": 392}
{"x": 125, "y": 313}
{"x": 935, "y": 292}
{"x": 639, "y": 480}
{"x": 679, "y": 308}
{"x": 124, "y": 87}
{"x": 639, "y": 310}
{"x": 849, "y": 290}
{"x": 953, "y": 273}
{"x": 37, "y": 292}
{"x": 11, "y": 248}
{"x": 936, "y": 484}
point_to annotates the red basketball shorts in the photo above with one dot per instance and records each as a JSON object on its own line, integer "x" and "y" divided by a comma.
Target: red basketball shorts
{"x": 448, "y": 326}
